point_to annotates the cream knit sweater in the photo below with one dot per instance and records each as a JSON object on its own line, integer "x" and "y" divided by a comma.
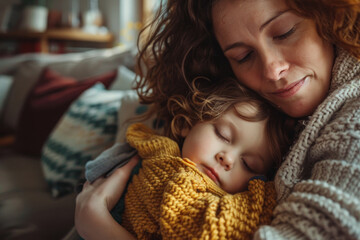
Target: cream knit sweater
{"x": 318, "y": 185}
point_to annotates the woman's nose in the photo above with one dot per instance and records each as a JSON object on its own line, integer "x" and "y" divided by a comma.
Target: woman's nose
{"x": 226, "y": 160}
{"x": 274, "y": 65}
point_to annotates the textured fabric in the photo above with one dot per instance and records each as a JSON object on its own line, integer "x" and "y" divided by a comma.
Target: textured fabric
{"x": 5, "y": 86}
{"x": 115, "y": 157}
{"x": 46, "y": 103}
{"x": 171, "y": 199}
{"x": 125, "y": 79}
{"x": 318, "y": 185}
{"x": 28, "y": 67}
{"x": 87, "y": 129}
{"x": 129, "y": 110}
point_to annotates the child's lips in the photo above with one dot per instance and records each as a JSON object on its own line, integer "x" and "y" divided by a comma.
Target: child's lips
{"x": 212, "y": 174}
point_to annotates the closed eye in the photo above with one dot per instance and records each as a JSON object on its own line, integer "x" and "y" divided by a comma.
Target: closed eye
{"x": 285, "y": 35}
{"x": 220, "y": 135}
{"x": 246, "y": 165}
{"x": 246, "y": 58}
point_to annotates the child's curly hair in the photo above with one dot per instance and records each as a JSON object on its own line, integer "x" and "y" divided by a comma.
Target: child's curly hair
{"x": 205, "y": 102}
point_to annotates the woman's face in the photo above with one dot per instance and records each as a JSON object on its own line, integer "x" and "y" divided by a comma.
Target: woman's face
{"x": 275, "y": 52}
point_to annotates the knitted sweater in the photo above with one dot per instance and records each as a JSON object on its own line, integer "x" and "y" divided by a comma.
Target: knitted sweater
{"x": 318, "y": 185}
{"x": 171, "y": 199}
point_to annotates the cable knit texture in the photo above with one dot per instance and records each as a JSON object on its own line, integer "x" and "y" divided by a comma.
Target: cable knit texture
{"x": 318, "y": 185}
{"x": 171, "y": 199}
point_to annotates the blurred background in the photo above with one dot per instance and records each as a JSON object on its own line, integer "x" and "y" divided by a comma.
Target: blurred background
{"x": 53, "y": 26}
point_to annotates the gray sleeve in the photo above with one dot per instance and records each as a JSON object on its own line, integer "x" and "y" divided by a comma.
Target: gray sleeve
{"x": 116, "y": 156}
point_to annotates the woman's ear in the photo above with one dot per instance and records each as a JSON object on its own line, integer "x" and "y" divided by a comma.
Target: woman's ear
{"x": 184, "y": 132}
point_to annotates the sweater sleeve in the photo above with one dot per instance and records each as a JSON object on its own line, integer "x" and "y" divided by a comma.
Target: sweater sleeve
{"x": 324, "y": 203}
{"x": 148, "y": 144}
{"x": 190, "y": 210}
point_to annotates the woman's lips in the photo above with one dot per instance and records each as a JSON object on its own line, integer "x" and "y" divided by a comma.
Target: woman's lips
{"x": 291, "y": 89}
{"x": 212, "y": 174}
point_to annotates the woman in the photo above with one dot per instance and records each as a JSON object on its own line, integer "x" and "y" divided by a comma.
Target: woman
{"x": 302, "y": 56}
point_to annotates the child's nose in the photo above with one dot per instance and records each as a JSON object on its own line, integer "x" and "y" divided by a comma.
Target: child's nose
{"x": 226, "y": 160}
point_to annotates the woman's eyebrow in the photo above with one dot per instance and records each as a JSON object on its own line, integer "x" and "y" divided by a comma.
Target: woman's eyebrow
{"x": 267, "y": 22}
{"x": 272, "y": 19}
{"x": 234, "y": 45}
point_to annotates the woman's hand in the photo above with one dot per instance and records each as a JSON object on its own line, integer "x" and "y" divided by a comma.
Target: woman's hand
{"x": 93, "y": 205}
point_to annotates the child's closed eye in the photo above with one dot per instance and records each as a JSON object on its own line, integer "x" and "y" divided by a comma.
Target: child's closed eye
{"x": 220, "y": 134}
{"x": 246, "y": 165}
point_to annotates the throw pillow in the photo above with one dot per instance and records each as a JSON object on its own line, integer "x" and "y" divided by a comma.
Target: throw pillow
{"x": 125, "y": 79}
{"x": 46, "y": 103}
{"x": 129, "y": 112}
{"x": 86, "y": 129}
{"x": 25, "y": 78}
{"x": 27, "y": 68}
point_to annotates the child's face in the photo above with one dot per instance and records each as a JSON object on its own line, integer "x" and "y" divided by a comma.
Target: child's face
{"x": 229, "y": 150}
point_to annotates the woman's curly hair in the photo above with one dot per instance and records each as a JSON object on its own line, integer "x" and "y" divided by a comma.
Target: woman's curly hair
{"x": 337, "y": 21}
{"x": 181, "y": 46}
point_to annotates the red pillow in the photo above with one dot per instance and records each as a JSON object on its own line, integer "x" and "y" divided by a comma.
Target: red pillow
{"x": 46, "y": 103}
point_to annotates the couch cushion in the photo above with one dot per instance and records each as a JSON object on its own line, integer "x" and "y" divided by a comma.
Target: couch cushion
{"x": 27, "y": 210}
{"x": 130, "y": 111}
{"x": 9, "y": 65}
{"x": 125, "y": 79}
{"x": 5, "y": 86}
{"x": 46, "y": 103}
{"x": 17, "y": 169}
{"x": 28, "y": 67}
{"x": 88, "y": 128}
{"x": 34, "y": 215}
{"x": 24, "y": 80}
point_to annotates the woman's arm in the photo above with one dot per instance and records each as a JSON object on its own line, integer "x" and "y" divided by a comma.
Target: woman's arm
{"x": 92, "y": 214}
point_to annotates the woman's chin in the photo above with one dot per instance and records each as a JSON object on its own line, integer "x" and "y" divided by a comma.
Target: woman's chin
{"x": 297, "y": 111}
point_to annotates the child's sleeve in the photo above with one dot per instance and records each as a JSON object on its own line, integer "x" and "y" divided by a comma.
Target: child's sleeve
{"x": 190, "y": 211}
{"x": 148, "y": 144}
{"x": 116, "y": 156}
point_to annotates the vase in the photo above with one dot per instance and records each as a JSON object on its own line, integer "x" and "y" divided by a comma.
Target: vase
{"x": 34, "y": 18}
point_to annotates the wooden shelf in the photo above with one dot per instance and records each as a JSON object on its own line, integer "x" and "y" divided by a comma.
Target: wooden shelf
{"x": 59, "y": 34}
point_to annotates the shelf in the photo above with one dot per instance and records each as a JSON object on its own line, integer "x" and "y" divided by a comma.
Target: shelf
{"x": 59, "y": 34}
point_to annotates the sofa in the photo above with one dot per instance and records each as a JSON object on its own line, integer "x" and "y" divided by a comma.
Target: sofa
{"x": 56, "y": 113}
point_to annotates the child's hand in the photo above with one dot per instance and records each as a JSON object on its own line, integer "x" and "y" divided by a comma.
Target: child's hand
{"x": 93, "y": 204}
